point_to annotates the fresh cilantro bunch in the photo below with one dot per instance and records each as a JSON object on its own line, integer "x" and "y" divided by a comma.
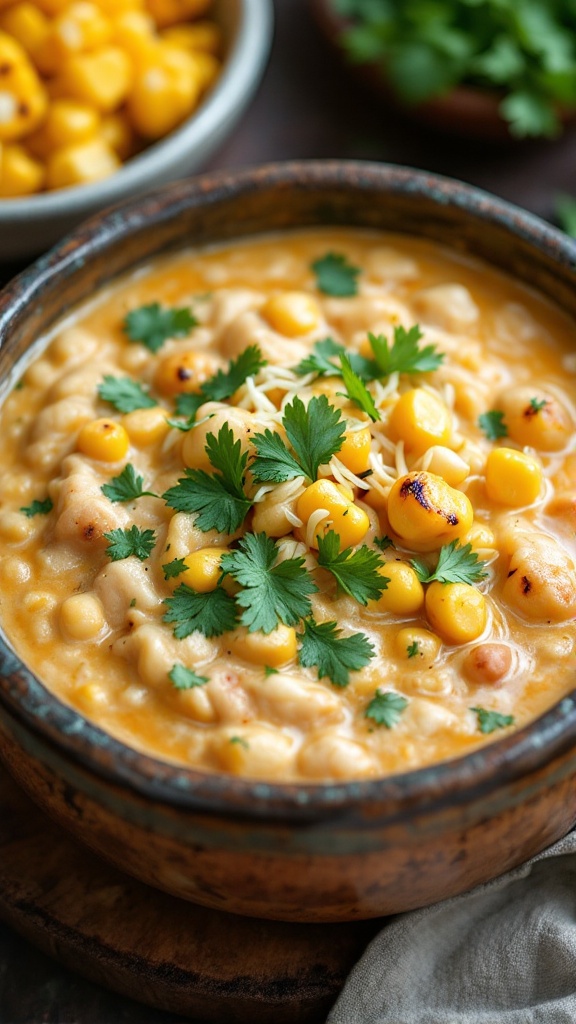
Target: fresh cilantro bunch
{"x": 525, "y": 51}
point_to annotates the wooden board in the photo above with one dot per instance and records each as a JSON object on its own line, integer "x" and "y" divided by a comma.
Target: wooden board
{"x": 162, "y": 951}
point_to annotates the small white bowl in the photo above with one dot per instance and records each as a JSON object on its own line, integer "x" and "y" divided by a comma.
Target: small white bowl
{"x": 32, "y": 224}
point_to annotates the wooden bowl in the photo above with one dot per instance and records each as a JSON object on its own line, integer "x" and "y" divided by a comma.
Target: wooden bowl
{"x": 311, "y": 852}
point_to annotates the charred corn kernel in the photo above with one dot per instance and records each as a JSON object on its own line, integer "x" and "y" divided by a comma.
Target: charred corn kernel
{"x": 170, "y": 12}
{"x": 272, "y": 649}
{"x": 202, "y": 569}
{"x": 292, "y": 313}
{"x": 67, "y": 123}
{"x": 104, "y": 440}
{"x": 425, "y": 512}
{"x": 79, "y": 28}
{"x": 184, "y": 372}
{"x": 445, "y": 463}
{"x": 418, "y": 646}
{"x": 81, "y": 616}
{"x": 480, "y": 537}
{"x": 27, "y": 24}
{"x": 102, "y": 79}
{"x": 135, "y": 32}
{"x": 355, "y": 452}
{"x": 205, "y": 36}
{"x": 119, "y": 135}
{"x": 457, "y": 611}
{"x": 536, "y": 419}
{"x": 20, "y": 174}
{"x": 512, "y": 478}
{"x": 342, "y": 515}
{"x": 23, "y": 99}
{"x": 165, "y": 91}
{"x": 420, "y": 419}
{"x": 146, "y": 426}
{"x": 80, "y": 164}
{"x": 404, "y": 594}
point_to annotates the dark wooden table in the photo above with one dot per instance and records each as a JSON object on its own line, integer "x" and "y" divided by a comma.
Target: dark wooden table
{"x": 307, "y": 107}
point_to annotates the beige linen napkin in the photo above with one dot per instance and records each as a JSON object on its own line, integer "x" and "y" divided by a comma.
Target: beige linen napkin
{"x": 504, "y": 953}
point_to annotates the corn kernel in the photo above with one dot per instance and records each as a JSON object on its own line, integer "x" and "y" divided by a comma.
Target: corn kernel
{"x": 355, "y": 451}
{"x": 184, "y": 372}
{"x": 205, "y": 36}
{"x": 254, "y": 750}
{"x": 273, "y": 649}
{"x": 512, "y": 478}
{"x": 82, "y": 616}
{"x": 80, "y": 164}
{"x": 536, "y": 419}
{"x": 457, "y": 611}
{"x": 480, "y": 537}
{"x": 292, "y": 313}
{"x": 202, "y": 569}
{"x": 135, "y": 32}
{"x": 445, "y": 463}
{"x": 23, "y": 99}
{"x": 20, "y": 174}
{"x": 165, "y": 91}
{"x": 146, "y": 426}
{"x": 419, "y": 647}
{"x": 104, "y": 440}
{"x": 26, "y": 24}
{"x": 420, "y": 419}
{"x": 117, "y": 7}
{"x": 67, "y": 123}
{"x": 79, "y": 28}
{"x": 170, "y": 12}
{"x": 90, "y": 696}
{"x": 425, "y": 512}
{"x": 342, "y": 515}
{"x": 404, "y": 594}
{"x": 101, "y": 79}
{"x": 52, "y": 7}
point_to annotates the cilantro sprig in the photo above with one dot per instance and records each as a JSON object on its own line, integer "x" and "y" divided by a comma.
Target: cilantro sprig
{"x": 174, "y": 568}
{"x": 356, "y": 572}
{"x": 152, "y": 325}
{"x": 456, "y": 564}
{"x": 386, "y": 708}
{"x": 37, "y": 508}
{"x": 127, "y": 486}
{"x": 125, "y": 394}
{"x": 212, "y": 614}
{"x": 184, "y": 678}
{"x": 335, "y": 275}
{"x": 490, "y": 721}
{"x": 273, "y": 591}
{"x": 122, "y": 543}
{"x": 334, "y": 655}
{"x": 404, "y": 355}
{"x": 492, "y": 424}
{"x": 357, "y": 391}
{"x": 315, "y": 432}
{"x": 218, "y": 500}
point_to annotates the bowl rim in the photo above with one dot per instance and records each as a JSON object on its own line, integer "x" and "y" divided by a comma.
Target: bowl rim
{"x": 60, "y": 728}
{"x": 234, "y": 87}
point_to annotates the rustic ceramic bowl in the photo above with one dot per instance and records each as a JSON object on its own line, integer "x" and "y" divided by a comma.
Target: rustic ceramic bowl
{"x": 31, "y": 224}
{"x": 310, "y": 852}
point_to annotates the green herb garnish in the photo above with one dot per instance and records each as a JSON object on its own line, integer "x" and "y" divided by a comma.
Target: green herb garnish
{"x": 152, "y": 325}
{"x": 37, "y": 508}
{"x": 357, "y": 391}
{"x": 334, "y": 655}
{"x": 315, "y": 433}
{"x": 125, "y": 394}
{"x": 489, "y": 721}
{"x": 212, "y": 614}
{"x": 356, "y": 572}
{"x": 185, "y": 679}
{"x": 386, "y": 708}
{"x": 122, "y": 543}
{"x": 492, "y": 424}
{"x": 335, "y": 275}
{"x": 127, "y": 486}
{"x": 456, "y": 564}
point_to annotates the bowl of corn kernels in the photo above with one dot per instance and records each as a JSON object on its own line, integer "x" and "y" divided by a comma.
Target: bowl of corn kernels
{"x": 102, "y": 99}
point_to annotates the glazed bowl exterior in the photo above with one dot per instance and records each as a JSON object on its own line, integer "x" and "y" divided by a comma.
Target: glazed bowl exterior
{"x": 326, "y": 852}
{"x": 31, "y": 224}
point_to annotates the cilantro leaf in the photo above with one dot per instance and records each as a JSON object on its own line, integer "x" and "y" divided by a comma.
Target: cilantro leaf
{"x": 335, "y": 276}
{"x": 386, "y": 708}
{"x": 319, "y": 361}
{"x": 37, "y": 508}
{"x": 334, "y": 655}
{"x": 274, "y": 462}
{"x": 185, "y": 679}
{"x": 537, "y": 404}
{"x": 456, "y": 564}
{"x": 174, "y": 568}
{"x": 125, "y": 394}
{"x": 357, "y": 391}
{"x": 489, "y": 721}
{"x": 272, "y": 591}
{"x": 316, "y": 433}
{"x": 187, "y": 404}
{"x": 127, "y": 486}
{"x": 412, "y": 649}
{"x": 224, "y": 383}
{"x": 268, "y": 671}
{"x": 404, "y": 355}
{"x": 212, "y": 614}
{"x": 218, "y": 500}
{"x": 384, "y": 542}
{"x": 492, "y": 424}
{"x": 130, "y": 541}
{"x": 152, "y": 325}
{"x": 357, "y": 572}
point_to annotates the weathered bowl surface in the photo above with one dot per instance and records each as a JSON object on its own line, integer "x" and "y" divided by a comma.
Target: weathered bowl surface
{"x": 322, "y": 852}
{"x": 30, "y": 225}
